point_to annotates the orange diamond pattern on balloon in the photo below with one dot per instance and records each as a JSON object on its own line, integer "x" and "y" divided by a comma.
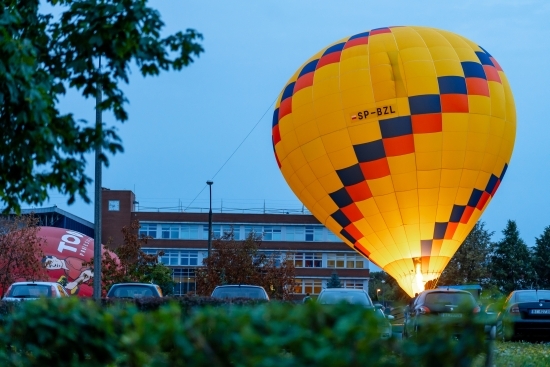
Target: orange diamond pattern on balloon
{"x": 397, "y": 139}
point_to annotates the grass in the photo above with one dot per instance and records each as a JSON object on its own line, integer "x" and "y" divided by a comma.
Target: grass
{"x": 522, "y": 354}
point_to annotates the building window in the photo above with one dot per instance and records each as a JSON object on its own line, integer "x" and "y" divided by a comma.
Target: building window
{"x": 314, "y": 233}
{"x": 295, "y": 233}
{"x": 349, "y": 261}
{"x": 311, "y": 286}
{"x": 308, "y": 260}
{"x": 170, "y": 231}
{"x": 184, "y": 281}
{"x": 180, "y": 257}
{"x": 190, "y": 258}
{"x": 331, "y": 237}
{"x": 257, "y": 230}
{"x": 352, "y": 283}
{"x": 148, "y": 230}
{"x": 272, "y": 233}
{"x": 190, "y": 231}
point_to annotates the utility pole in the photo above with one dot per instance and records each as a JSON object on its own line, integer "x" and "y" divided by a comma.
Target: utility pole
{"x": 97, "y": 196}
{"x": 209, "y": 183}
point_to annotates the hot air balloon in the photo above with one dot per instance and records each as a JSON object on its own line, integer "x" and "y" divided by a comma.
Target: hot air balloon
{"x": 65, "y": 253}
{"x": 397, "y": 139}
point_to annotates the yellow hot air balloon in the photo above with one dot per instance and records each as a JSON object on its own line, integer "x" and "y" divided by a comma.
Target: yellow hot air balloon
{"x": 397, "y": 139}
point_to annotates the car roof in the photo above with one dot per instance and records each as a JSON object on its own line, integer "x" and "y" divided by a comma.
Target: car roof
{"x": 147, "y": 284}
{"x": 342, "y": 290}
{"x": 238, "y": 285}
{"x": 37, "y": 283}
{"x": 450, "y": 290}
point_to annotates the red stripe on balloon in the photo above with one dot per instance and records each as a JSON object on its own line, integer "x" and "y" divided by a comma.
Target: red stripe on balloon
{"x": 359, "y": 192}
{"x": 454, "y": 103}
{"x": 276, "y": 134}
{"x": 428, "y": 123}
{"x": 285, "y": 108}
{"x": 491, "y": 73}
{"x": 357, "y": 42}
{"x": 375, "y": 169}
{"x": 477, "y": 87}
{"x": 483, "y": 200}
{"x": 468, "y": 211}
{"x": 451, "y": 229}
{"x": 353, "y": 213}
{"x": 399, "y": 145}
{"x": 304, "y": 81}
{"x": 329, "y": 59}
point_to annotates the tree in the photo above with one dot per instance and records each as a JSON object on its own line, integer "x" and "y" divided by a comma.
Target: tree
{"x": 540, "y": 256}
{"x": 469, "y": 264}
{"x": 388, "y": 285}
{"x": 20, "y": 251}
{"x": 131, "y": 264}
{"x": 42, "y": 57}
{"x": 334, "y": 281}
{"x": 510, "y": 261}
{"x": 242, "y": 262}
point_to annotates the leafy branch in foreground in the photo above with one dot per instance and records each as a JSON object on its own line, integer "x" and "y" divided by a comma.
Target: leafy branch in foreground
{"x": 42, "y": 57}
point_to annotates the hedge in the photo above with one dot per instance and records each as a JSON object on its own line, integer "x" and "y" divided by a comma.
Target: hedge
{"x": 69, "y": 332}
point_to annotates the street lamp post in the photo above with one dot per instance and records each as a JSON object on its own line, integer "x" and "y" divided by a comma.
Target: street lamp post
{"x": 97, "y": 196}
{"x": 377, "y": 296}
{"x": 209, "y": 183}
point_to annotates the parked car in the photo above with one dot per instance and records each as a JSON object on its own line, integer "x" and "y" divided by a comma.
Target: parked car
{"x": 134, "y": 290}
{"x": 525, "y": 314}
{"x": 33, "y": 290}
{"x": 332, "y": 296}
{"x": 446, "y": 305}
{"x": 240, "y": 291}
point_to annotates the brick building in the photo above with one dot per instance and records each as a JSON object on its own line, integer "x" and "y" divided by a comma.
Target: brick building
{"x": 183, "y": 236}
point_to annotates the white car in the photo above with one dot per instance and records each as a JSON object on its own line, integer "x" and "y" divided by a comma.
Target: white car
{"x": 34, "y": 290}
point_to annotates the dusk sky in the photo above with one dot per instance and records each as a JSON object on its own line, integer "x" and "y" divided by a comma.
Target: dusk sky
{"x": 184, "y": 126}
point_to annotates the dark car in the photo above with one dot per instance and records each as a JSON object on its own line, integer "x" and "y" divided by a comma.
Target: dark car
{"x": 333, "y": 296}
{"x": 240, "y": 291}
{"x": 134, "y": 290}
{"x": 450, "y": 306}
{"x": 525, "y": 314}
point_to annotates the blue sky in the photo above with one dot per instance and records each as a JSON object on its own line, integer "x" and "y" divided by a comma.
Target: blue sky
{"x": 183, "y": 126}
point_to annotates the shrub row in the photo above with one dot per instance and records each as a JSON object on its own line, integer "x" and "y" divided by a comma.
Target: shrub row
{"x": 186, "y": 303}
{"x": 70, "y": 332}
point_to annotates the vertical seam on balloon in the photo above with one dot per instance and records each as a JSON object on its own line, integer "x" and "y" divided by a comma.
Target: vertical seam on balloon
{"x": 393, "y": 186}
{"x": 469, "y": 115}
{"x": 385, "y": 153}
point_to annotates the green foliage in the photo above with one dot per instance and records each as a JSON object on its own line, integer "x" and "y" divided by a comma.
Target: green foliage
{"x": 469, "y": 265}
{"x": 510, "y": 261}
{"x": 334, "y": 281}
{"x": 242, "y": 262}
{"x": 42, "y": 57}
{"x": 389, "y": 289}
{"x": 540, "y": 259}
{"x": 73, "y": 332}
{"x": 133, "y": 265}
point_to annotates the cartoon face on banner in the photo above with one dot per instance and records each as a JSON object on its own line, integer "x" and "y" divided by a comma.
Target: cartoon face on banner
{"x": 397, "y": 139}
{"x": 65, "y": 252}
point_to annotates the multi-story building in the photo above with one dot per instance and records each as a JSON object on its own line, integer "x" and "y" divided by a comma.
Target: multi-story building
{"x": 183, "y": 237}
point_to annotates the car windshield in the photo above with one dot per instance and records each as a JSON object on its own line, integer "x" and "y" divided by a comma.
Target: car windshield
{"x": 131, "y": 291}
{"x": 239, "y": 292}
{"x": 30, "y": 291}
{"x": 449, "y": 298}
{"x": 334, "y": 297}
{"x": 532, "y": 296}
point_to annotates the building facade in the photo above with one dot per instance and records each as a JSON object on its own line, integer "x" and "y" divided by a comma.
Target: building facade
{"x": 183, "y": 237}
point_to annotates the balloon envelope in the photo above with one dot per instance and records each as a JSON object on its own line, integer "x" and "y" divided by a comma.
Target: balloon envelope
{"x": 65, "y": 251}
{"x": 397, "y": 139}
